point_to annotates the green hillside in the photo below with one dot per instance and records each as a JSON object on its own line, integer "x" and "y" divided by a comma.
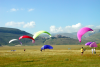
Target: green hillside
{"x": 63, "y": 41}
{"x": 94, "y": 37}
{"x": 60, "y": 41}
{"x": 7, "y": 34}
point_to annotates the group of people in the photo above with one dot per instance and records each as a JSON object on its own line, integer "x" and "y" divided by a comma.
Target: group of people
{"x": 82, "y": 50}
{"x": 93, "y": 51}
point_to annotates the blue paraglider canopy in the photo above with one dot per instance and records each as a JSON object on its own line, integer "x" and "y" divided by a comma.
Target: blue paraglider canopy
{"x": 46, "y": 47}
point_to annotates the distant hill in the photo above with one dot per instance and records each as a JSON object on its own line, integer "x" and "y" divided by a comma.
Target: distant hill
{"x": 71, "y": 35}
{"x": 12, "y": 30}
{"x": 74, "y": 34}
{"x": 62, "y": 40}
{"x": 7, "y": 34}
{"x": 71, "y": 38}
{"x": 93, "y": 38}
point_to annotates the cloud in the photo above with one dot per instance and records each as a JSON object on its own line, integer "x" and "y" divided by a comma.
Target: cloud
{"x": 98, "y": 27}
{"x": 93, "y": 27}
{"x": 55, "y": 30}
{"x": 67, "y": 29}
{"x": 14, "y": 24}
{"x": 90, "y": 26}
{"x": 13, "y": 9}
{"x": 73, "y": 28}
{"x": 20, "y": 24}
{"x": 77, "y": 26}
{"x": 30, "y": 10}
{"x": 70, "y": 29}
{"x": 29, "y": 25}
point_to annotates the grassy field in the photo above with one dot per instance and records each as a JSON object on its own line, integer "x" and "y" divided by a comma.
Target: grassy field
{"x": 60, "y": 56}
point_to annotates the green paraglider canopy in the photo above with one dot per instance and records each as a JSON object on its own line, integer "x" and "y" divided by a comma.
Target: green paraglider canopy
{"x": 40, "y": 32}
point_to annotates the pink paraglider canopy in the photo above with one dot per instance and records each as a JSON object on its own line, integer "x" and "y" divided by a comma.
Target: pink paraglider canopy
{"x": 93, "y": 44}
{"x": 82, "y": 31}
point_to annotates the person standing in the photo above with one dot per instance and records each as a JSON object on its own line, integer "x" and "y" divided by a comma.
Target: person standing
{"x": 82, "y": 51}
{"x": 24, "y": 49}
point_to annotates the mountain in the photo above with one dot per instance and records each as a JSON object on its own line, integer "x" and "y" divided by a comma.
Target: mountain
{"x": 12, "y": 30}
{"x": 63, "y": 34}
{"x": 93, "y": 38}
{"x": 7, "y": 34}
{"x": 62, "y": 40}
{"x": 74, "y": 34}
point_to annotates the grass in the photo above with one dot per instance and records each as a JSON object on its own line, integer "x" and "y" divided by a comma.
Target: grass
{"x": 60, "y": 56}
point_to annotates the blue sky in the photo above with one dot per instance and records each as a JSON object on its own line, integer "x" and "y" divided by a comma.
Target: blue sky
{"x": 54, "y": 16}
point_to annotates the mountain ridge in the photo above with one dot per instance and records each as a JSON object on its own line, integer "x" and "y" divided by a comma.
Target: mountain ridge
{"x": 57, "y": 39}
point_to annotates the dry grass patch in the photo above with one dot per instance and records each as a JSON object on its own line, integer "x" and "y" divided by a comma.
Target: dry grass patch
{"x": 60, "y": 56}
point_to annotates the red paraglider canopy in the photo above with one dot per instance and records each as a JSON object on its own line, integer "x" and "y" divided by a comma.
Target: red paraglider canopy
{"x": 26, "y": 36}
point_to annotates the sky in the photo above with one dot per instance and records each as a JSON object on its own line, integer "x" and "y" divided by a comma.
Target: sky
{"x": 53, "y": 16}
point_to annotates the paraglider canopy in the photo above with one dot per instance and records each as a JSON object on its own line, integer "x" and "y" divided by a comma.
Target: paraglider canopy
{"x": 26, "y": 36}
{"x": 33, "y": 41}
{"x": 88, "y": 43}
{"x": 82, "y": 31}
{"x": 40, "y": 32}
{"x": 14, "y": 40}
{"x": 93, "y": 44}
{"x": 46, "y": 47}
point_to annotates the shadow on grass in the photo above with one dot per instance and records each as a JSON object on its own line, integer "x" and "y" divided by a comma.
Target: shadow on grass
{"x": 67, "y": 59}
{"x": 28, "y": 61}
